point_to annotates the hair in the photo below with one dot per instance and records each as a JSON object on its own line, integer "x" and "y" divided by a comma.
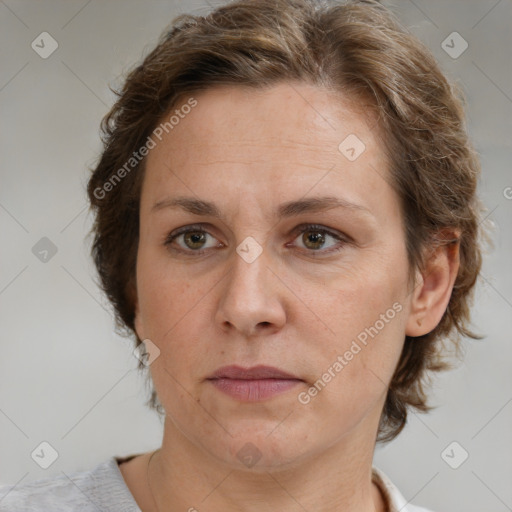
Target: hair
{"x": 356, "y": 48}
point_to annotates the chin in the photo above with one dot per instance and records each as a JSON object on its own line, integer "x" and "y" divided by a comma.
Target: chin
{"x": 260, "y": 447}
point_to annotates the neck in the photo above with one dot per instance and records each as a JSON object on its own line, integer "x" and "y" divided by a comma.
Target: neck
{"x": 183, "y": 476}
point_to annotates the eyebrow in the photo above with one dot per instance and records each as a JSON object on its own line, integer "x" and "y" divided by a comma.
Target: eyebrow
{"x": 288, "y": 209}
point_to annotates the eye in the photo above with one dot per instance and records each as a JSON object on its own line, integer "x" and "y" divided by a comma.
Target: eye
{"x": 316, "y": 238}
{"x": 191, "y": 239}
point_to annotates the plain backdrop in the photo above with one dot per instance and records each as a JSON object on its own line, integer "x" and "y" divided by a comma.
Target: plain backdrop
{"x": 67, "y": 379}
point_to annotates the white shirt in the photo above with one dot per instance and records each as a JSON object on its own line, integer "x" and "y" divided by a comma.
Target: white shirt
{"x": 103, "y": 489}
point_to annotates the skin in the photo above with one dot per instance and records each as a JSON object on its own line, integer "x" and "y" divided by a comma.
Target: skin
{"x": 249, "y": 151}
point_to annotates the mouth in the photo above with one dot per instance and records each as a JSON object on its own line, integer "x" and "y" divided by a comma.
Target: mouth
{"x": 253, "y": 384}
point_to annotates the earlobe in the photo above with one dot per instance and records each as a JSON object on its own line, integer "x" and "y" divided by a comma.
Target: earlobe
{"x": 433, "y": 288}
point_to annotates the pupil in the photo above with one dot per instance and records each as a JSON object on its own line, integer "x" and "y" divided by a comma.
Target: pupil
{"x": 317, "y": 238}
{"x": 196, "y": 238}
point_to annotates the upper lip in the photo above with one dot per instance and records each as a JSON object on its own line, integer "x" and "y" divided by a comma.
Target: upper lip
{"x": 256, "y": 372}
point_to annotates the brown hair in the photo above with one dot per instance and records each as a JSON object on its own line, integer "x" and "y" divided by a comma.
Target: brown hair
{"x": 357, "y": 48}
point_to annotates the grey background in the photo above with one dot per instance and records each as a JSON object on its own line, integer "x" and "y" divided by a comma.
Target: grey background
{"x": 67, "y": 379}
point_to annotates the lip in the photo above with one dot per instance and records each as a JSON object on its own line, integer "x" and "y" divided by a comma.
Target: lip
{"x": 253, "y": 373}
{"x": 253, "y": 384}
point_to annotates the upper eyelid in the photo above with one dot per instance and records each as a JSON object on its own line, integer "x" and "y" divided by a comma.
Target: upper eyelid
{"x": 304, "y": 226}
{"x": 300, "y": 227}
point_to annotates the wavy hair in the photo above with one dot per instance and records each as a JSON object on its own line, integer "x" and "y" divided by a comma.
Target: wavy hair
{"x": 357, "y": 48}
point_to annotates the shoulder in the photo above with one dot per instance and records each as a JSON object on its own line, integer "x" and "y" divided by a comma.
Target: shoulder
{"x": 87, "y": 491}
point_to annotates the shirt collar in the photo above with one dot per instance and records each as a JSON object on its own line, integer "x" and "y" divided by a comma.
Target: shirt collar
{"x": 395, "y": 501}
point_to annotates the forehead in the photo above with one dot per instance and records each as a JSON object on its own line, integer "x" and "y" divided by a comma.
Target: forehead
{"x": 276, "y": 115}
{"x": 289, "y": 135}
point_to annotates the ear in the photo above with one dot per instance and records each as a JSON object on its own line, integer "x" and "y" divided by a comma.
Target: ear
{"x": 434, "y": 285}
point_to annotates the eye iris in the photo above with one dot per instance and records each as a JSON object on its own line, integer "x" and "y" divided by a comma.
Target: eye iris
{"x": 196, "y": 237}
{"x": 317, "y": 238}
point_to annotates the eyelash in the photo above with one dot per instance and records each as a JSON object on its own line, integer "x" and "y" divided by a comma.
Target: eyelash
{"x": 296, "y": 232}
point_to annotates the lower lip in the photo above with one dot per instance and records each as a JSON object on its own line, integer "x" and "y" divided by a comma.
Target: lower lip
{"x": 254, "y": 390}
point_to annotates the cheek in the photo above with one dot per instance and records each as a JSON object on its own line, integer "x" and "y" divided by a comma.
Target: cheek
{"x": 162, "y": 297}
{"x": 366, "y": 316}
{"x": 350, "y": 300}
{"x": 355, "y": 368}
{"x": 174, "y": 313}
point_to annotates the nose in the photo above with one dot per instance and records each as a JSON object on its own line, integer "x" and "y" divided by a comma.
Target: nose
{"x": 251, "y": 300}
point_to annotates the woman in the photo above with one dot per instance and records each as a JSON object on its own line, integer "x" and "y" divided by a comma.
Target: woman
{"x": 287, "y": 222}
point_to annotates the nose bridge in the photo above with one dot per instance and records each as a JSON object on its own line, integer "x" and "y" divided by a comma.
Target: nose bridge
{"x": 248, "y": 283}
{"x": 249, "y": 298}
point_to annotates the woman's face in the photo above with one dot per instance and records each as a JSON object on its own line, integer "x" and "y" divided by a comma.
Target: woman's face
{"x": 314, "y": 289}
